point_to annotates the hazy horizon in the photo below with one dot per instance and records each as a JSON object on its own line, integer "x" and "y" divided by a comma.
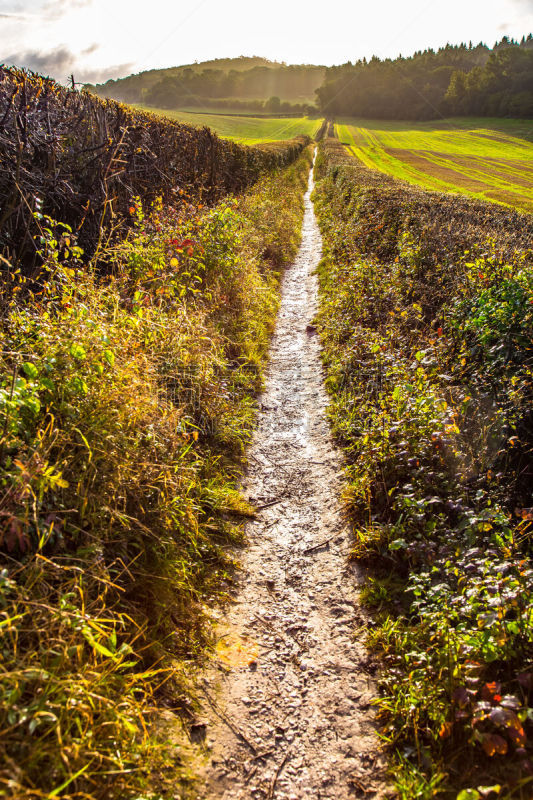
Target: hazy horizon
{"x": 97, "y": 41}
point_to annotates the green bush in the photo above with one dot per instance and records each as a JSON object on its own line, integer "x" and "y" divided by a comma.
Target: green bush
{"x": 426, "y": 326}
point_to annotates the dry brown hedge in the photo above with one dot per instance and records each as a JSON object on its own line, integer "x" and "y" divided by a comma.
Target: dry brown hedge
{"x": 85, "y": 159}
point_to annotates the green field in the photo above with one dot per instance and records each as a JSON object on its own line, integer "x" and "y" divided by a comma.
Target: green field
{"x": 247, "y": 130}
{"x": 491, "y": 159}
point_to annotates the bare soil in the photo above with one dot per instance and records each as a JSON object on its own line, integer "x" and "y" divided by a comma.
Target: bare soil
{"x": 290, "y": 717}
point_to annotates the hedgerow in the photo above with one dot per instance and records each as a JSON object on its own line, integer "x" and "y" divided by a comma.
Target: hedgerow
{"x": 126, "y": 402}
{"x": 426, "y": 319}
{"x": 80, "y": 160}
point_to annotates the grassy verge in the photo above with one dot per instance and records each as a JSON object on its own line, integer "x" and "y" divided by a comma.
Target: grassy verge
{"x": 126, "y": 404}
{"x": 426, "y": 319}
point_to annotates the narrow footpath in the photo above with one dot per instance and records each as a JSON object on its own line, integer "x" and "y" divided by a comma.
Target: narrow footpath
{"x": 291, "y": 717}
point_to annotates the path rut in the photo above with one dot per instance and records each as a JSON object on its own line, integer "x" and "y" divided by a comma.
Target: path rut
{"x": 292, "y": 716}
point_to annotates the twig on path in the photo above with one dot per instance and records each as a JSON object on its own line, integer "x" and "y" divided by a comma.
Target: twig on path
{"x": 239, "y": 734}
{"x": 272, "y": 788}
{"x": 362, "y": 788}
{"x": 274, "y": 464}
{"x": 259, "y": 756}
{"x": 267, "y": 651}
{"x": 250, "y": 775}
{"x": 321, "y": 544}
{"x": 272, "y": 503}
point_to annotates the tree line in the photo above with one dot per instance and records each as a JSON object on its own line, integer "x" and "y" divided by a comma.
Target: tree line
{"x": 261, "y": 87}
{"x": 463, "y": 79}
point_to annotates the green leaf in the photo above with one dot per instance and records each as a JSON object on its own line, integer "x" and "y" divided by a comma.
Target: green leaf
{"x": 64, "y": 785}
{"x": 109, "y": 357}
{"x": 469, "y": 794}
{"x": 100, "y": 648}
{"x": 398, "y": 544}
{"x": 30, "y": 369}
{"x": 33, "y": 404}
{"x": 79, "y": 385}
{"x": 77, "y": 351}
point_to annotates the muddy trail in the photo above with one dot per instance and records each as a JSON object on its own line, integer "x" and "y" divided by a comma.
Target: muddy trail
{"x": 290, "y": 718}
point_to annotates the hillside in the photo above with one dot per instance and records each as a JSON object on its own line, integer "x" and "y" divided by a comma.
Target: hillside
{"x": 266, "y": 431}
{"x": 243, "y": 79}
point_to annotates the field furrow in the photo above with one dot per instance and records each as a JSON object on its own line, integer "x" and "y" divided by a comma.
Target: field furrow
{"x": 451, "y": 156}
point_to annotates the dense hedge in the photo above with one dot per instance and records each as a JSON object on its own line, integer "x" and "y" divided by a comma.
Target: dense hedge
{"x": 426, "y": 321}
{"x": 82, "y": 160}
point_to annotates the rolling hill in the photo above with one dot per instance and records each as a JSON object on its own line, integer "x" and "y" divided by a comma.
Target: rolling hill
{"x": 243, "y": 79}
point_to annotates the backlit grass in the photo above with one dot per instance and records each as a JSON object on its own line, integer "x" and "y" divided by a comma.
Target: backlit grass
{"x": 487, "y": 159}
{"x": 246, "y": 130}
{"x": 126, "y": 403}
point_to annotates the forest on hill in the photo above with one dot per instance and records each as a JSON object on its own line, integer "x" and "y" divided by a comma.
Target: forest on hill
{"x": 455, "y": 80}
{"x": 240, "y": 82}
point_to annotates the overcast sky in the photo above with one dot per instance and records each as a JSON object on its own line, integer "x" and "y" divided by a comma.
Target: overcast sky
{"x": 99, "y": 39}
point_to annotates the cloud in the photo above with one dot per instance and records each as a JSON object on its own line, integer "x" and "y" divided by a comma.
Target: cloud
{"x": 15, "y": 16}
{"x": 61, "y": 62}
{"x": 48, "y": 11}
{"x": 55, "y": 9}
{"x": 55, "y": 62}
{"x": 91, "y": 49}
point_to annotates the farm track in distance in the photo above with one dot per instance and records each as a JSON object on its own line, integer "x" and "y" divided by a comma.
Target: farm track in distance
{"x": 487, "y": 159}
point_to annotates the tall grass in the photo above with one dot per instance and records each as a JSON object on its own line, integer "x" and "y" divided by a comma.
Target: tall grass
{"x": 126, "y": 404}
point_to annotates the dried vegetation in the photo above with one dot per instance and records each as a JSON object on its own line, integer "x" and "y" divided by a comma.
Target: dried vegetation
{"x": 84, "y": 159}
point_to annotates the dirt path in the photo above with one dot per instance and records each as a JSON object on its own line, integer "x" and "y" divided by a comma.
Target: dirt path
{"x": 292, "y": 719}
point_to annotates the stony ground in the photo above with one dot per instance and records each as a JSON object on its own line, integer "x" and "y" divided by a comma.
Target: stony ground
{"x": 291, "y": 716}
